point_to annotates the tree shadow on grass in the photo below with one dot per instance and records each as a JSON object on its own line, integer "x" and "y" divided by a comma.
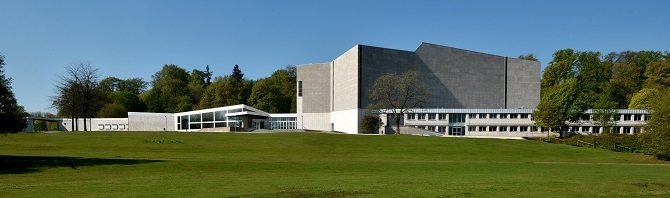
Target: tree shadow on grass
{"x": 11, "y": 164}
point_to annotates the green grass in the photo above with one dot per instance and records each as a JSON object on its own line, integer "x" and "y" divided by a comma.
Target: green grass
{"x": 159, "y": 164}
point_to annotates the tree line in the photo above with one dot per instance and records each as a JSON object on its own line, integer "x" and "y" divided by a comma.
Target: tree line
{"x": 80, "y": 94}
{"x": 575, "y": 81}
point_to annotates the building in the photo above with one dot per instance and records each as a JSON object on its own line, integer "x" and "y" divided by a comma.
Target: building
{"x": 222, "y": 119}
{"x": 507, "y": 123}
{"x": 333, "y": 96}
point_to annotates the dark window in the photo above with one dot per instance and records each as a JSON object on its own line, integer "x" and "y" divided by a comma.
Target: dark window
{"x": 299, "y": 88}
{"x": 431, "y": 116}
{"x": 208, "y": 117}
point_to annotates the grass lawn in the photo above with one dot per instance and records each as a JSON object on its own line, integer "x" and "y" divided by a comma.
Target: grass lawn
{"x": 170, "y": 164}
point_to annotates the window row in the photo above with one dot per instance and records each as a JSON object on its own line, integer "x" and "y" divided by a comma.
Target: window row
{"x": 502, "y": 128}
{"x": 500, "y": 116}
{"x": 112, "y": 126}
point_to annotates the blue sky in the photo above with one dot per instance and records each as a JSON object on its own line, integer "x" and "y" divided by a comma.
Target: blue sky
{"x": 135, "y": 38}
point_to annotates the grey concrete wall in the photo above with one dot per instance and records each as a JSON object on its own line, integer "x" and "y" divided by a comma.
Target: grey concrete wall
{"x": 151, "y": 121}
{"x": 316, "y": 79}
{"x": 345, "y": 80}
{"x": 456, "y": 78}
{"x": 523, "y": 83}
{"x": 92, "y": 124}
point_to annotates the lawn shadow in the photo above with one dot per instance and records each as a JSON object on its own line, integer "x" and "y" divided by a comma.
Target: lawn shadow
{"x": 12, "y": 164}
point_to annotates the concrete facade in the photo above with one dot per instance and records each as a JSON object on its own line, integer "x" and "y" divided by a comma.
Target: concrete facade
{"x": 456, "y": 78}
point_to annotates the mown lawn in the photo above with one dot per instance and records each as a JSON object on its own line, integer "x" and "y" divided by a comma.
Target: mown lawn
{"x": 160, "y": 164}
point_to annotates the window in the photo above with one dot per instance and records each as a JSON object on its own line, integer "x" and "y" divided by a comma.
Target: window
{"x": 503, "y": 128}
{"x": 472, "y": 115}
{"x": 514, "y": 116}
{"x": 422, "y": 116}
{"x": 617, "y": 117}
{"x": 646, "y": 117}
{"x": 456, "y": 117}
{"x": 101, "y": 126}
{"x": 493, "y": 128}
{"x": 586, "y": 129}
{"x": 482, "y": 128}
{"x": 115, "y": 126}
{"x": 431, "y": 128}
{"x": 108, "y": 126}
{"x": 533, "y": 128}
{"x": 472, "y": 128}
{"x": 596, "y": 129}
{"x": 178, "y": 119}
{"x": 627, "y": 117}
{"x": 220, "y": 124}
{"x": 442, "y": 129}
{"x": 482, "y": 115}
{"x": 637, "y": 117}
{"x": 513, "y": 128}
{"x": 300, "y": 88}
{"x": 524, "y": 116}
{"x": 493, "y": 115}
{"x": 220, "y": 115}
{"x": 575, "y": 128}
{"x": 195, "y": 118}
{"x": 626, "y": 130}
{"x": 503, "y": 116}
{"x": 208, "y": 117}
{"x": 431, "y": 116}
{"x": 411, "y": 116}
{"x": 207, "y": 125}
{"x": 443, "y": 116}
{"x": 524, "y": 128}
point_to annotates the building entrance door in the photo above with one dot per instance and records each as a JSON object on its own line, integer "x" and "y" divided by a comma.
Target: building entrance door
{"x": 456, "y": 130}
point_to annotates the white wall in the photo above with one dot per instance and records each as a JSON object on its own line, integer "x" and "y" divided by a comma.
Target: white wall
{"x": 347, "y": 121}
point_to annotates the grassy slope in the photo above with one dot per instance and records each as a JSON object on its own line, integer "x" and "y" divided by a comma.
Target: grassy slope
{"x": 308, "y": 164}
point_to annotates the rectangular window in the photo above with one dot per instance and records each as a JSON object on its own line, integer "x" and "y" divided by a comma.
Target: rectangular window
{"x": 442, "y": 129}
{"x": 503, "y": 116}
{"x": 101, "y": 126}
{"x": 220, "y": 115}
{"x": 493, "y": 115}
{"x": 514, "y": 116}
{"x": 422, "y": 116}
{"x": 299, "y": 88}
{"x": 637, "y": 117}
{"x": 617, "y": 117}
{"x": 513, "y": 128}
{"x": 533, "y": 128}
{"x": 456, "y": 117}
{"x": 178, "y": 119}
{"x": 524, "y": 128}
{"x": 575, "y": 128}
{"x": 220, "y": 124}
{"x": 586, "y": 129}
{"x": 443, "y": 116}
{"x": 208, "y": 117}
{"x": 482, "y": 128}
{"x": 431, "y": 128}
{"x": 115, "y": 126}
{"x": 195, "y": 118}
{"x": 472, "y": 115}
{"x": 472, "y": 128}
{"x": 207, "y": 125}
{"x": 503, "y": 128}
{"x": 626, "y": 130}
{"x": 411, "y": 116}
{"x": 524, "y": 116}
{"x": 431, "y": 116}
{"x": 493, "y": 128}
{"x": 646, "y": 117}
{"x": 596, "y": 129}
{"x": 482, "y": 115}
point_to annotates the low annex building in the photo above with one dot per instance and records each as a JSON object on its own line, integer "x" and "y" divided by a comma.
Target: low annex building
{"x": 222, "y": 119}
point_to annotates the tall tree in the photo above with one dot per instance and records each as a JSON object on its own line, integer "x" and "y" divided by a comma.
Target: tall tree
{"x": 78, "y": 91}
{"x": 395, "y": 94}
{"x": 11, "y": 113}
{"x": 657, "y": 135}
{"x": 237, "y": 74}
{"x": 208, "y": 76}
{"x": 169, "y": 91}
{"x": 277, "y": 93}
{"x": 548, "y": 116}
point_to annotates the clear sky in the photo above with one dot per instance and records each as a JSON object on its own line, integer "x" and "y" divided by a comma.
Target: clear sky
{"x": 135, "y": 38}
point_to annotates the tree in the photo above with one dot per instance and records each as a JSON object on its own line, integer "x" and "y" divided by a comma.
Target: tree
{"x": 643, "y": 99}
{"x": 132, "y": 85}
{"x": 370, "y": 124}
{"x": 11, "y": 113}
{"x": 237, "y": 74}
{"x": 208, "y": 76}
{"x": 78, "y": 91}
{"x": 277, "y": 93}
{"x": 548, "y": 116}
{"x": 658, "y": 75}
{"x": 113, "y": 110}
{"x": 604, "y": 112}
{"x": 169, "y": 86}
{"x": 528, "y": 57}
{"x": 395, "y": 94}
{"x": 657, "y": 138}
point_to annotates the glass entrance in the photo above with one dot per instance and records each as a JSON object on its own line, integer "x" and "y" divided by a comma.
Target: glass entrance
{"x": 456, "y": 130}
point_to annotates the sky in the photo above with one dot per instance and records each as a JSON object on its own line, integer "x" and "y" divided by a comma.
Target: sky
{"x": 135, "y": 38}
